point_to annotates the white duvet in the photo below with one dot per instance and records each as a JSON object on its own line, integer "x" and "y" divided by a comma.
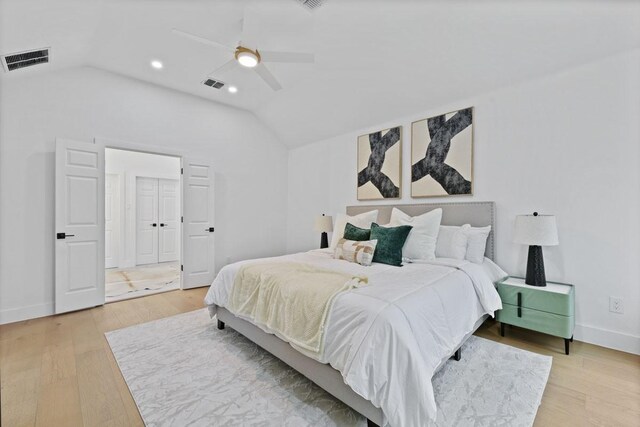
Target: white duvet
{"x": 389, "y": 338}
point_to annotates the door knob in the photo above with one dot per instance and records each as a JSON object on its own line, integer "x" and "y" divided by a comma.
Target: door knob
{"x": 161, "y": 224}
{"x": 63, "y": 235}
{"x": 154, "y": 225}
{"x": 210, "y": 229}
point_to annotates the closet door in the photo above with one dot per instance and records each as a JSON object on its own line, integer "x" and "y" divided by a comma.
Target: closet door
{"x": 146, "y": 220}
{"x": 169, "y": 220}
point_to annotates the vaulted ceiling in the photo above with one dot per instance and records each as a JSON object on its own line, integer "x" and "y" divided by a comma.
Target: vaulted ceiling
{"x": 375, "y": 60}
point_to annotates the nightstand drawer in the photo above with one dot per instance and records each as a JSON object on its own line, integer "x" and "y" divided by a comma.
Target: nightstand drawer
{"x": 537, "y": 299}
{"x": 541, "y": 321}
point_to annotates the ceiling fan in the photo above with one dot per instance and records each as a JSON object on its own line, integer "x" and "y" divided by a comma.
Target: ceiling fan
{"x": 251, "y": 58}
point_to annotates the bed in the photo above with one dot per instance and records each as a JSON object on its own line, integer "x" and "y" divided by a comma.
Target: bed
{"x": 409, "y": 319}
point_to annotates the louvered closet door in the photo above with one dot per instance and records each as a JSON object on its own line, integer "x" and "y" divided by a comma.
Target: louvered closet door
{"x": 169, "y": 217}
{"x": 146, "y": 220}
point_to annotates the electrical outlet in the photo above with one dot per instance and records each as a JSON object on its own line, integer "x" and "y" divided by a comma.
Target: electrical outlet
{"x": 616, "y": 305}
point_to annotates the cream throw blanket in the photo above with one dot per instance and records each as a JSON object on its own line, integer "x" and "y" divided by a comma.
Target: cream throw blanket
{"x": 290, "y": 299}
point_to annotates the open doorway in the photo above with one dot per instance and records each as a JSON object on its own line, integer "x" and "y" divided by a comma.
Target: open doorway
{"x": 80, "y": 221}
{"x": 142, "y": 224}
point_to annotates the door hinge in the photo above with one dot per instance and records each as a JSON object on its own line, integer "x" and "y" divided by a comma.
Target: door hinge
{"x": 181, "y": 219}
{"x": 181, "y": 171}
{"x": 181, "y": 267}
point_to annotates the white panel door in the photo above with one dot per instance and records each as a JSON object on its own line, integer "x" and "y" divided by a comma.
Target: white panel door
{"x": 169, "y": 220}
{"x": 146, "y": 220}
{"x": 197, "y": 231}
{"x": 112, "y": 221}
{"x": 79, "y": 211}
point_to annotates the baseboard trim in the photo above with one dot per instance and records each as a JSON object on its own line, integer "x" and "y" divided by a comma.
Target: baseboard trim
{"x": 606, "y": 338}
{"x": 12, "y": 315}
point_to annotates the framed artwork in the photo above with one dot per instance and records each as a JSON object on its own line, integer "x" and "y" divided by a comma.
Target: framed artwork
{"x": 379, "y": 165}
{"x": 442, "y": 155}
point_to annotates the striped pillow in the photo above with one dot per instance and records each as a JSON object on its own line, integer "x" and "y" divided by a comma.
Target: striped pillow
{"x": 354, "y": 251}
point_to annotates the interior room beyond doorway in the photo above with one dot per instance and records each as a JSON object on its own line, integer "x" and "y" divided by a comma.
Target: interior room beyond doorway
{"x": 142, "y": 224}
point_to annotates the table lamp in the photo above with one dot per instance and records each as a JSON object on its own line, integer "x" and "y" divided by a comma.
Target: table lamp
{"x": 324, "y": 225}
{"x": 536, "y": 231}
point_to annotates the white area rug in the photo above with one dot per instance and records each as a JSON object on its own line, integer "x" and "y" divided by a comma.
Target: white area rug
{"x": 183, "y": 371}
{"x": 134, "y": 282}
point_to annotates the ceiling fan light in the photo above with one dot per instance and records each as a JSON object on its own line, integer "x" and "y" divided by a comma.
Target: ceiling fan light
{"x": 247, "y": 58}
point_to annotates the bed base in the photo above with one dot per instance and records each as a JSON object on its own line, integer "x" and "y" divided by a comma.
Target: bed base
{"x": 323, "y": 375}
{"x": 456, "y": 356}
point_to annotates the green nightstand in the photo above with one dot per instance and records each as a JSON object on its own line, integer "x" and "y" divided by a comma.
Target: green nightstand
{"x": 548, "y": 309}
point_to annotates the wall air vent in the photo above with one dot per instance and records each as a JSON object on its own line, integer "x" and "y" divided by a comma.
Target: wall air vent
{"x": 216, "y": 84}
{"x": 310, "y": 4}
{"x": 15, "y": 61}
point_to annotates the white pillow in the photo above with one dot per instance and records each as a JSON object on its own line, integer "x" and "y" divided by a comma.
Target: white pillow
{"x": 363, "y": 220}
{"x": 477, "y": 243}
{"x": 421, "y": 242}
{"x": 452, "y": 241}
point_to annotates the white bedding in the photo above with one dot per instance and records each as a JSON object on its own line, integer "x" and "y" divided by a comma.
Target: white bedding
{"x": 389, "y": 338}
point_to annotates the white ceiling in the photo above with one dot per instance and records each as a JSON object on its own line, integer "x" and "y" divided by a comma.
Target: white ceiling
{"x": 375, "y": 60}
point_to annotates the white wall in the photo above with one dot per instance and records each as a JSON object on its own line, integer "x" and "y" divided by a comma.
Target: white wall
{"x": 128, "y": 165}
{"x": 82, "y": 103}
{"x": 567, "y": 144}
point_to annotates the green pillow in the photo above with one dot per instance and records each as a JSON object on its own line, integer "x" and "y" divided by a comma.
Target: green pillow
{"x": 351, "y": 232}
{"x": 390, "y": 243}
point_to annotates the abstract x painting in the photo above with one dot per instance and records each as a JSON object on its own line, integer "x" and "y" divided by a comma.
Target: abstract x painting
{"x": 379, "y": 169}
{"x": 442, "y": 155}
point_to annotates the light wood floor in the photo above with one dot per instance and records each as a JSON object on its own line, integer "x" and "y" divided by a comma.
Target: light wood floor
{"x": 59, "y": 370}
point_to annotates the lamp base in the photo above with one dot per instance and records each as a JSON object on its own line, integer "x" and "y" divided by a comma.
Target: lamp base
{"x": 535, "y": 267}
{"x": 324, "y": 241}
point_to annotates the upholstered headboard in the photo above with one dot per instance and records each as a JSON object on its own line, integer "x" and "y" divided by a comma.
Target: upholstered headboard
{"x": 478, "y": 214}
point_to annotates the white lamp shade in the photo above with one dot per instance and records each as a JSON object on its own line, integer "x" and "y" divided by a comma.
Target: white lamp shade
{"x": 537, "y": 230}
{"x": 324, "y": 224}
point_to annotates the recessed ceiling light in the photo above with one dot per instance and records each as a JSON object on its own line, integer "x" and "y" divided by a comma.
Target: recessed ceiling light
{"x": 156, "y": 64}
{"x": 232, "y": 89}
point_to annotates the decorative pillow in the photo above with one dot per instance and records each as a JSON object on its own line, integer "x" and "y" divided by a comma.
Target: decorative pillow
{"x": 351, "y": 232}
{"x": 452, "y": 242}
{"x": 390, "y": 243}
{"x": 363, "y": 220}
{"x": 421, "y": 243}
{"x": 477, "y": 243}
{"x": 360, "y": 252}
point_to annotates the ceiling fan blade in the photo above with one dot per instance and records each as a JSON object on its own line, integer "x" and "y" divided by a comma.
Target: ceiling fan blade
{"x": 203, "y": 40}
{"x": 251, "y": 22}
{"x": 291, "y": 57}
{"x": 227, "y": 66}
{"x": 268, "y": 77}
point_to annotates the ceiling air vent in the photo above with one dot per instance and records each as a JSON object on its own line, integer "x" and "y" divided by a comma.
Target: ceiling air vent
{"x": 310, "y": 4}
{"x": 15, "y": 61}
{"x": 216, "y": 84}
